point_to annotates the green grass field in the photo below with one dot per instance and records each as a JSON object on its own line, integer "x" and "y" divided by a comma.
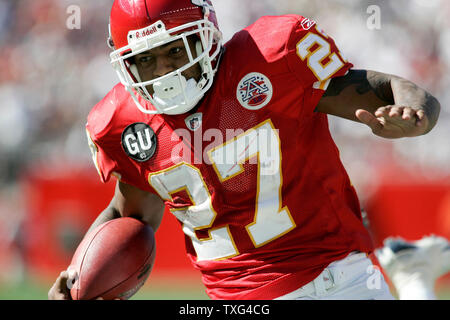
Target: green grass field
{"x": 157, "y": 290}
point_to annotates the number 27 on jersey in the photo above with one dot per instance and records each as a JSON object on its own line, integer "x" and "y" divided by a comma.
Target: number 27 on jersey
{"x": 270, "y": 219}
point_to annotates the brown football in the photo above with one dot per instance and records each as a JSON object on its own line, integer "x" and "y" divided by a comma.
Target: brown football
{"x": 114, "y": 260}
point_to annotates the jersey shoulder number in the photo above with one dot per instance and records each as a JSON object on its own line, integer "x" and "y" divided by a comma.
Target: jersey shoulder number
{"x": 314, "y": 57}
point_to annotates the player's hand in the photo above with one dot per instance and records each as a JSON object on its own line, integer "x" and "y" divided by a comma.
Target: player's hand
{"x": 60, "y": 289}
{"x": 395, "y": 121}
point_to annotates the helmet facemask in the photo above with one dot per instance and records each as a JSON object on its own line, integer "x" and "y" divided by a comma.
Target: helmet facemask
{"x": 171, "y": 93}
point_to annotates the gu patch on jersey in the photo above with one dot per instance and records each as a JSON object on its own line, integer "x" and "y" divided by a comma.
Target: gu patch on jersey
{"x": 139, "y": 141}
{"x": 254, "y": 91}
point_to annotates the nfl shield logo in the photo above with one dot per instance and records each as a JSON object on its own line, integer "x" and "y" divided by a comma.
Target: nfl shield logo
{"x": 194, "y": 121}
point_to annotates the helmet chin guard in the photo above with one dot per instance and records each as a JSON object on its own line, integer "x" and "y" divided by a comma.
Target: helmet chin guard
{"x": 172, "y": 93}
{"x": 176, "y": 95}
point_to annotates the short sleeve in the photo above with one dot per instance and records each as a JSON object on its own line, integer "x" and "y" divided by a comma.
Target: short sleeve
{"x": 314, "y": 59}
{"x": 104, "y": 128}
{"x": 103, "y": 163}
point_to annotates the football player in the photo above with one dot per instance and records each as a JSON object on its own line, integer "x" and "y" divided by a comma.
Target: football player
{"x": 233, "y": 139}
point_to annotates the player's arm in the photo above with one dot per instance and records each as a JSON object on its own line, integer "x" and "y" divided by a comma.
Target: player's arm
{"x": 128, "y": 201}
{"x": 391, "y": 106}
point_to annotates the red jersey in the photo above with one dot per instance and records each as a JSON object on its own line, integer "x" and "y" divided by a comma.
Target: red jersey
{"x": 252, "y": 173}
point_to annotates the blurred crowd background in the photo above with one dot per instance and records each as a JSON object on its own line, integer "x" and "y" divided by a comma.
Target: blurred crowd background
{"x": 51, "y": 76}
